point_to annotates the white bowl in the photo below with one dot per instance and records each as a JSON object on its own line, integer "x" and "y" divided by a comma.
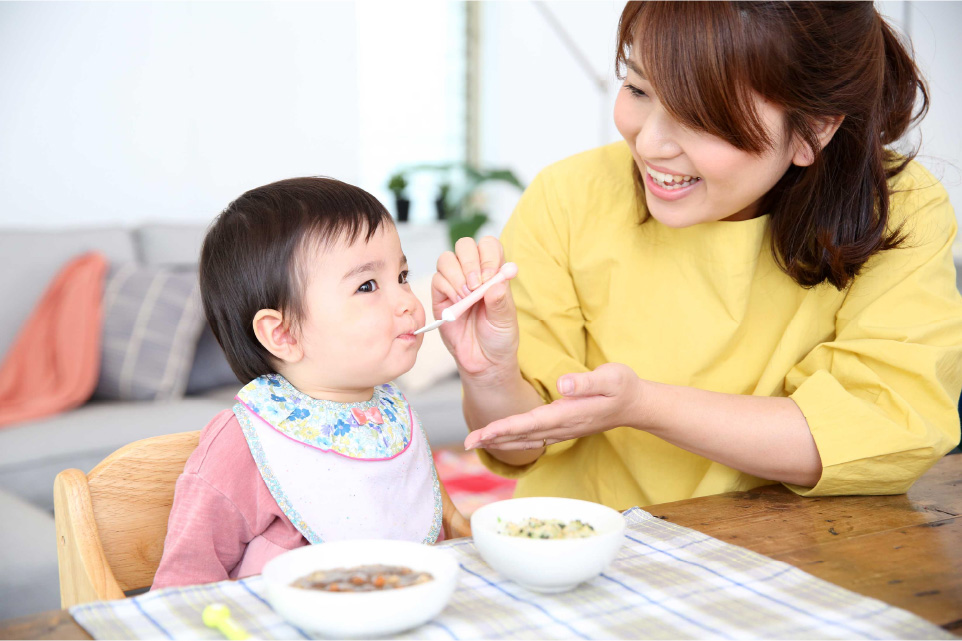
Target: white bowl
{"x": 548, "y": 565}
{"x": 360, "y": 614}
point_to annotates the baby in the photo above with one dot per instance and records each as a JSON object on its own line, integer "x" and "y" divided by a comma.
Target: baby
{"x": 305, "y": 287}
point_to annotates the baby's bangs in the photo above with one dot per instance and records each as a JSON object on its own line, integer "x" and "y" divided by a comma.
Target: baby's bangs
{"x": 698, "y": 56}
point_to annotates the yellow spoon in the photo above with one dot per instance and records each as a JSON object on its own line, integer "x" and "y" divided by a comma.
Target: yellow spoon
{"x": 217, "y": 616}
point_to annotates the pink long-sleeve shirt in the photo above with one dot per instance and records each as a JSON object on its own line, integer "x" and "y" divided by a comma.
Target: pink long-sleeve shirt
{"x": 224, "y": 523}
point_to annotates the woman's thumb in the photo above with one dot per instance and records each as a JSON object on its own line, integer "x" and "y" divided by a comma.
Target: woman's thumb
{"x": 608, "y": 379}
{"x": 499, "y": 307}
{"x": 576, "y": 385}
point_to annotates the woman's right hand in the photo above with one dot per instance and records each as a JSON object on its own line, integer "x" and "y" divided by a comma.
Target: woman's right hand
{"x": 484, "y": 340}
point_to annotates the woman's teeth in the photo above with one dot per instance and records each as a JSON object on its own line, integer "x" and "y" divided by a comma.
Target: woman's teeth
{"x": 671, "y": 181}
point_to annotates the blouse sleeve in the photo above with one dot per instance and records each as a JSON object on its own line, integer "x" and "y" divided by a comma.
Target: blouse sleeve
{"x": 206, "y": 535}
{"x": 881, "y": 398}
{"x": 551, "y": 323}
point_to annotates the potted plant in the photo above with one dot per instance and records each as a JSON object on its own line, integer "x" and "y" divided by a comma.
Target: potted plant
{"x": 459, "y": 202}
{"x": 397, "y": 185}
{"x": 470, "y": 214}
{"x": 441, "y": 203}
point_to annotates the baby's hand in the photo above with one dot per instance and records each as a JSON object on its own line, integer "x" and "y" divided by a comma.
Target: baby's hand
{"x": 455, "y": 525}
{"x": 485, "y": 338}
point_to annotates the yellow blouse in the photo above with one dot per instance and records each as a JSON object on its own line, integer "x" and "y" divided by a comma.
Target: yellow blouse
{"x": 876, "y": 368}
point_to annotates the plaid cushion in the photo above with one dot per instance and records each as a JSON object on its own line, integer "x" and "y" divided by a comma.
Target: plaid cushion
{"x": 152, "y": 320}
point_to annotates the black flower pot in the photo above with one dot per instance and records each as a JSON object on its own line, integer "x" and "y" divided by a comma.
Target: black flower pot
{"x": 403, "y": 209}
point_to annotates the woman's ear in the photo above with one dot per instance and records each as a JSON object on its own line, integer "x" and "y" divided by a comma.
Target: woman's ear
{"x": 276, "y": 337}
{"x": 825, "y": 129}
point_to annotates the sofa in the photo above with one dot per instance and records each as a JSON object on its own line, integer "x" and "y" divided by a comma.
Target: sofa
{"x": 33, "y": 452}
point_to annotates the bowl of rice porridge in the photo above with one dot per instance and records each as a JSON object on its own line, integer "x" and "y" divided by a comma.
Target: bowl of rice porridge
{"x": 548, "y": 544}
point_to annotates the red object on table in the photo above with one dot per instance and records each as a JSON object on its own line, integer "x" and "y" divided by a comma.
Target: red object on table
{"x": 469, "y": 483}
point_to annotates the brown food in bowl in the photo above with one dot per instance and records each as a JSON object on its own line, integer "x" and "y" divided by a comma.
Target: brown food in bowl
{"x": 362, "y": 578}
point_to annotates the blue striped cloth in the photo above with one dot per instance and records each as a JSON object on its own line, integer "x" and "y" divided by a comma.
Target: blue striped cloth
{"x": 667, "y": 582}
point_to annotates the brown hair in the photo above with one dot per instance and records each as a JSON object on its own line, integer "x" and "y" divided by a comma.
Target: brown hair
{"x": 815, "y": 60}
{"x": 253, "y": 255}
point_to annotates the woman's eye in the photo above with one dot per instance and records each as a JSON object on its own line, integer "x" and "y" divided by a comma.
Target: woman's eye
{"x": 403, "y": 277}
{"x": 635, "y": 91}
{"x": 368, "y": 287}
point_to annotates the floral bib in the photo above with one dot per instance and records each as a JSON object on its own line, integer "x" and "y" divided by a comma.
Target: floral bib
{"x": 342, "y": 470}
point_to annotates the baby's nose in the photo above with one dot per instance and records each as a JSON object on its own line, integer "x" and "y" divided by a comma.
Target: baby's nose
{"x": 407, "y": 302}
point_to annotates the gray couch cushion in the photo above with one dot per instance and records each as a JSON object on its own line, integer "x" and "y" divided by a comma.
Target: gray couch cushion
{"x": 439, "y": 408}
{"x": 32, "y": 258}
{"x": 210, "y": 369}
{"x": 29, "y": 581}
{"x": 171, "y": 244}
{"x": 32, "y": 454}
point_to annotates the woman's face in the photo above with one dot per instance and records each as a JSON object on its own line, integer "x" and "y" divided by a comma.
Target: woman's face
{"x": 693, "y": 177}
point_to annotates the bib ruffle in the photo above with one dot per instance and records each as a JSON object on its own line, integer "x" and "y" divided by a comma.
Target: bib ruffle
{"x": 374, "y": 430}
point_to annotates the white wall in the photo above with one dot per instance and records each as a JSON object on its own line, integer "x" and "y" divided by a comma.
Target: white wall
{"x": 411, "y": 95}
{"x": 130, "y": 112}
{"x": 538, "y": 105}
{"x": 934, "y": 29}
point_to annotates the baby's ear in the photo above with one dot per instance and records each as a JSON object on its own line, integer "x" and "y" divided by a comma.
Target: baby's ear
{"x": 275, "y": 335}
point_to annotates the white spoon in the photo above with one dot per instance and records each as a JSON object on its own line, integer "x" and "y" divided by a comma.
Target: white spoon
{"x": 507, "y": 272}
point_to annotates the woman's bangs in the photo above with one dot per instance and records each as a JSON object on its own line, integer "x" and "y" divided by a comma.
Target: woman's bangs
{"x": 696, "y": 57}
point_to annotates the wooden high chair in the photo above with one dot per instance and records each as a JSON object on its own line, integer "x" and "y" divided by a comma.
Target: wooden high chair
{"x": 111, "y": 523}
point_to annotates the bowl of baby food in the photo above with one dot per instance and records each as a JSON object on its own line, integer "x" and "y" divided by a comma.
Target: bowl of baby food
{"x": 548, "y": 544}
{"x": 360, "y": 589}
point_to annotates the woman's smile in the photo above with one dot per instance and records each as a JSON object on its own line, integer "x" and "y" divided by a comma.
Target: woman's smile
{"x": 667, "y": 186}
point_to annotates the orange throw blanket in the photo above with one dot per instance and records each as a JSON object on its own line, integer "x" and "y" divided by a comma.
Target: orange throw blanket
{"x": 54, "y": 363}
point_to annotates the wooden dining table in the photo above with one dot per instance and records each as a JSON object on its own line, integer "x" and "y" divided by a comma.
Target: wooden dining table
{"x": 905, "y": 550}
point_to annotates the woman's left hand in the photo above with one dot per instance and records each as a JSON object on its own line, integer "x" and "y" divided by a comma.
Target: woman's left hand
{"x": 592, "y": 402}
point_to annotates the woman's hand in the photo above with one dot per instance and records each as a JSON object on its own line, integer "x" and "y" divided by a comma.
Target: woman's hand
{"x": 484, "y": 340}
{"x": 610, "y": 396}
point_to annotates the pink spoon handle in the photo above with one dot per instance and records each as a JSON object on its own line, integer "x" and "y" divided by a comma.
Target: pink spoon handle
{"x": 507, "y": 272}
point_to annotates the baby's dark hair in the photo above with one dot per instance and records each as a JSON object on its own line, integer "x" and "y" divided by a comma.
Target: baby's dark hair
{"x": 254, "y": 252}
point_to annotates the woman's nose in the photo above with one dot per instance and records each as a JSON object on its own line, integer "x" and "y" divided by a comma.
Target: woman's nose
{"x": 657, "y": 137}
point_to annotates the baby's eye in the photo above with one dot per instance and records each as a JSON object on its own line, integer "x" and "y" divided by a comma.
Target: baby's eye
{"x": 403, "y": 277}
{"x": 368, "y": 287}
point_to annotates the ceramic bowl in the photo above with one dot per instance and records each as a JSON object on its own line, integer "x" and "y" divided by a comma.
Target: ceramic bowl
{"x": 548, "y": 565}
{"x": 345, "y": 615}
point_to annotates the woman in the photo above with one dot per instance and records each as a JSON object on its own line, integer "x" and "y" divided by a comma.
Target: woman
{"x": 750, "y": 289}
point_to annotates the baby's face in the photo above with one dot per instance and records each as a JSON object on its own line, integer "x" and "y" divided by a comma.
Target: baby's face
{"x": 359, "y": 315}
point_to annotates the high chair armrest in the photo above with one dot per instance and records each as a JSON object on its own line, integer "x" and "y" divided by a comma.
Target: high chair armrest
{"x": 85, "y": 574}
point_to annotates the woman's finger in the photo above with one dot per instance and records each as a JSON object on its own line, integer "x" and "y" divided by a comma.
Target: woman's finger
{"x": 512, "y": 428}
{"x": 491, "y": 256}
{"x": 443, "y": 293}
{"x": 499, "y": 307}
{"x": 581, "y": 384}
{"x": 450, "y": 269}
{"x": 526, "y": 444}
{"x": 605, "y": 380}
{"x": 467, "y": 252}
